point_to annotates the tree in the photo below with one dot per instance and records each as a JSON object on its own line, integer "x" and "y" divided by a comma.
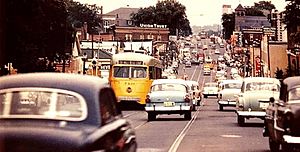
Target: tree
{"x": 79, "y": 13}
{"x": 292, "y": 21}
{"x": 38, "y": 30}
{"x": 264, "y": 5}
{"x": 252, "y": 11}
{"x": 228, "y": 21}
{"x": 35, "y": 29}
{"x": 167, "y": 13}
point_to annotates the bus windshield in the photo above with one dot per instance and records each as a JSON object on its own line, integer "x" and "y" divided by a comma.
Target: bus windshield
{"x": 129, "y": 72}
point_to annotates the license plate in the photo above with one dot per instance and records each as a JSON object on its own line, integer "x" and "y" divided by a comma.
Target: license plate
{"x": 169, "y": 104}
{"x": 263, "y": 105}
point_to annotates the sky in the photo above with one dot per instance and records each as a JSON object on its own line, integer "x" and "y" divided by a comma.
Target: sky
{"x": 199, "y": 12}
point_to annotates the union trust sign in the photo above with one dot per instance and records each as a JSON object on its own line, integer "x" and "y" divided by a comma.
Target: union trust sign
{"x": 153, "y": 26}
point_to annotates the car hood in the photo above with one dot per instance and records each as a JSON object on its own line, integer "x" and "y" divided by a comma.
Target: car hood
{"x": 162, "y": 96}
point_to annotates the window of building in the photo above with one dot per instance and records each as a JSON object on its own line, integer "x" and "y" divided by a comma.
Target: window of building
{"x": 106, "y": 23}
{"x": 159, "y": 37}
{"x": 142, "y": 36}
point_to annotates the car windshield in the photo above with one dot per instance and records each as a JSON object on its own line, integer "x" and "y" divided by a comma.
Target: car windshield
{"x": 42, "y": 103}
{"x": 256, "y": 86}
{"x": 168, "y": 87}
{"x": 294, "y": 94}
{"x": 211, "y": 85}
{"x": 233, "y": 86}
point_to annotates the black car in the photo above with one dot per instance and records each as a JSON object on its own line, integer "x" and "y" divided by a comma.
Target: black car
{"x": 282, "y": 120}
{"x": 56, "y": 112}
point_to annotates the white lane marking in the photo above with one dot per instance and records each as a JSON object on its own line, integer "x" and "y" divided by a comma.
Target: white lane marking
{"x": 130, "y": 114}
{"x": 180, "y": 137}
{"x": 142, "y": 124}
{"x": 200, "y": 74}
{"x": 193, "y": 73}
{"x": 231, "y": 136}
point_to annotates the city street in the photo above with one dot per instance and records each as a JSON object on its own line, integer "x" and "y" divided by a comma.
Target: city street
{"x": 208, "y": 130}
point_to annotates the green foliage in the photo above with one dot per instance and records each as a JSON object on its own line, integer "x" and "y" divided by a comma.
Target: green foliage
{"x": 79, "y": 13}
{"x": 279, "y": 73}
{"x": 40, "y": 29}
{"x": 292, "y": 21}
{"x": 264, "y": 5}
{"x": 252, "y": 11}
{"x": 228, "y": 24}
{"x": 167, "y": 13}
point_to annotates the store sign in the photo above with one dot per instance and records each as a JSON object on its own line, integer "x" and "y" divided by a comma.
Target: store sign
{"x": 153, "y": 26}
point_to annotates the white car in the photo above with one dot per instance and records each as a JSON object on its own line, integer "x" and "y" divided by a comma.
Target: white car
{"x": 254, "y": 97}
{"x": 169, "y": 96}
{"x": 217, "y": 51}
{"x": 229, "y": 89}
{"x": 195, "y": 92}
{"x": 210, "y": 89}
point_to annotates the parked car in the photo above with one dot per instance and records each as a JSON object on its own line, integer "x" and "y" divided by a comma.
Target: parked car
{"x": 254, "y": 97}
{"x": 49, "y": 112}
{"x": 282, "y": 121}
{"x": 169, "y": 96}
{"x": 210, "y": 89}
{"x": 228, "y": 92}
{"x": 195, "y": 92}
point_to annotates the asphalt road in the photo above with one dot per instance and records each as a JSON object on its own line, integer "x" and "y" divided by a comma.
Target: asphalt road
{"x": 209, "y": 130}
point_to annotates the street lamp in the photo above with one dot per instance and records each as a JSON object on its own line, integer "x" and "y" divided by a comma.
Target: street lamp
{"x": 84, "y": 59}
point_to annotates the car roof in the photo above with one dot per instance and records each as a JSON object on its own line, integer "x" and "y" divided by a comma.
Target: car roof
{"x": 292, "y": 82}
{"x": 87, "y": 86}
{"x": 191, "y": 82}
{"x": 261, "y": 79}
{"x": 178, "y": 81}
{"x": 230, "y": 81}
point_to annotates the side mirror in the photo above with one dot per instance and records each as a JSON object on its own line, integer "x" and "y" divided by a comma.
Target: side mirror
{"x": 272, "y": 100}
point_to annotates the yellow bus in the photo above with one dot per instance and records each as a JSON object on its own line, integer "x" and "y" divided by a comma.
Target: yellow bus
{"x": 131, "y": 76}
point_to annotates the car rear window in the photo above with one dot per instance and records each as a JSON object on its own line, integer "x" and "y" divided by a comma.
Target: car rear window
{"x": 42, "y": 103}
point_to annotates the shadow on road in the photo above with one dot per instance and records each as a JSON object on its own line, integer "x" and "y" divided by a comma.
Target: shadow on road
{"x": 251, "y": 124}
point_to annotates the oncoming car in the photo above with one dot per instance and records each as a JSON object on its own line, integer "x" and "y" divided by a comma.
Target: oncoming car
{"x": 168, "y": 96}
{"x": 46, "y": 112}
{"x": 254, "y": 97}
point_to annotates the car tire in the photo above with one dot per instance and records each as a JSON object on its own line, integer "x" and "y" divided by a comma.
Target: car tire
{"x": 151, "y": 116}
{"x": 188, "y": 115}
{"x": 194, "y": 108}
{"x": 287, "y": 147}
{"x": 240, "y": 120}
{"x": 199, "y": 103}
{"x": 220, "y": 107}
{"x": 274, "y": 146}
{"x": 205, "y": 96}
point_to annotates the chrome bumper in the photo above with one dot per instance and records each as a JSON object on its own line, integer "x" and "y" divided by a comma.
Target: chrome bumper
{"x": 224, "y": 102}
{"x": 162, "y": 108}
{"x": 251, "y": 113}
{"x": 291, "y": 139}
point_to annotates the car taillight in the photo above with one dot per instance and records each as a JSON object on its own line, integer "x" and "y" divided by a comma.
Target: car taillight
{"x": 187, "y": 98}
{"x": 148, "y": 99}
